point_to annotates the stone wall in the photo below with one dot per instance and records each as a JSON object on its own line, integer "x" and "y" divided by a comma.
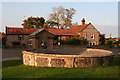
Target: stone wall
{"x": 53, "y": 60}
{"x": 90, "y": 29}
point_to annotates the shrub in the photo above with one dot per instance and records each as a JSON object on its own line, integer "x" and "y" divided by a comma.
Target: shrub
{"x": 74, "y": 41}
{"x": 84, "y": 41}
{"x": 109, "y": 43}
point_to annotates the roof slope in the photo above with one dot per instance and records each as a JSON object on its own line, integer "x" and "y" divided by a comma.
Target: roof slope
{"x": 62, "y": 31}
{"x": 36, "y": 32}
{"x": 73, "y": 31}
{"x": 80, "y": 27}
{"x": 12, "y": 30}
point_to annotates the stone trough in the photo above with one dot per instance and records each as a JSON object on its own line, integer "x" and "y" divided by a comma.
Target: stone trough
{"x": 70, "y": 58}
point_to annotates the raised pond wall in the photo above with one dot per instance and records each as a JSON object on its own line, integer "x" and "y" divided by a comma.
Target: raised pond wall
{"x": 55, "y": 60}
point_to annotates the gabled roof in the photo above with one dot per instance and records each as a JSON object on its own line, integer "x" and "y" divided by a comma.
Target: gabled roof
{"x": 14, "y": 30}
{"x": 11, "y": 30}
{"x": 80, "y": 27}
{"x": 75, "y": 30}
{"x": 36, "y": 32}
{"x": 62, "y": 31}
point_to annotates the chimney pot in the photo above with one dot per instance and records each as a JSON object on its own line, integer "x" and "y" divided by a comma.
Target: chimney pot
{"x": 83, "y": 21}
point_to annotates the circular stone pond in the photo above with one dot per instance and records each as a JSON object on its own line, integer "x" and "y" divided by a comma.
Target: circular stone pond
{"x": 68, "y": 58}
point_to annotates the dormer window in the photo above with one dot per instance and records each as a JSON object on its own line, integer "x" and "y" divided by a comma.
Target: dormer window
{"x": 92, "y": 36}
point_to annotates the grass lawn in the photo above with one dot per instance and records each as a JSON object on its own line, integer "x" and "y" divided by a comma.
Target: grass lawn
{"x": 15, "y": 69}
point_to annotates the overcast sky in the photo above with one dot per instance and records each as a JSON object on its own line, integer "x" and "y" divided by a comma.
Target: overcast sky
{"x": 103, "y": 15}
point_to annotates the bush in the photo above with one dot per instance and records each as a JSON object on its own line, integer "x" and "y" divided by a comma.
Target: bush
{"x": 84, "y": 41}
{"x": 74, "y": 41}
{"x": 109, "y": 43}
{"x": 23, "y": 45}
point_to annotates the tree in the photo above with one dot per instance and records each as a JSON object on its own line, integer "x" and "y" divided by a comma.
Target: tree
{"x": 102, "y": 39}
{"x": 75, "y": 24}
{"x": 34, "y": 22}
{"x": 68, "y": 17}
{"x": 51, "y": 24}
{"x": 62, "y": 16}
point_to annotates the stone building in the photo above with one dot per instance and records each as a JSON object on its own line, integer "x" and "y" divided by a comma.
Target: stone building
{"x": 20, "y": 36}
{"x": 42, "y": 39}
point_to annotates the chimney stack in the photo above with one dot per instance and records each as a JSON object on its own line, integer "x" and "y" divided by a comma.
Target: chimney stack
{"x": 83, "y": 21}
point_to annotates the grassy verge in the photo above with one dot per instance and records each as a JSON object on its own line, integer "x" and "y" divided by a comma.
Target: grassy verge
{"x": 15, "y": 69}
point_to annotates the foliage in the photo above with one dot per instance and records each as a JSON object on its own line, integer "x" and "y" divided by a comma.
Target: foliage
{"x": 112, "y": 43}
{"x": 109, "y": 43}
{"x": 102, "y": 39}
{"x": 62, "y": 16}
{"x": 116, "y": 42}
{"x": 74, "y": 41}
{"x": 51, "y": 24}
{"x": 84, "y": 41}
{"x": 15, "y": 69}
{"x": 34, "y": 22}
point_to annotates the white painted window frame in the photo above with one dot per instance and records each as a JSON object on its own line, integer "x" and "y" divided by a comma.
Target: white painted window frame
{"x": 84, "y": 35}
{"x": 93, "y": 36}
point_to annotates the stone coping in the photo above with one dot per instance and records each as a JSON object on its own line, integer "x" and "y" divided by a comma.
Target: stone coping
{"x": 56, "y": 60}
{"x": 105, "y": 54}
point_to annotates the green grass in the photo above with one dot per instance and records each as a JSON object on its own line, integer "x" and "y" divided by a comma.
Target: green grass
{"x": 15, "y": 69}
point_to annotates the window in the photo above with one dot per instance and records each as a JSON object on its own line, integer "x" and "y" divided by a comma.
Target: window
{"x": 92, "y": 43}
{"x": 20, "y": 37}
{"x": 29, "y": 38}
{"x": 84, "y": 35}
{"x": 92, "y": 36}
{"x": 30, "y": 43}
{"x": 59, "y": 38}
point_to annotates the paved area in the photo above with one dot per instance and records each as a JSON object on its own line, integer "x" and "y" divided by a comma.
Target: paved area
{"x": 15, "y": 53}
{"x": 11, "y": 53}
{"x": 83, "y": 52}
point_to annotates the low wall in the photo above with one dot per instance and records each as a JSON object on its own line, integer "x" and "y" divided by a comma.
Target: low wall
{"x": 52, "y": 60}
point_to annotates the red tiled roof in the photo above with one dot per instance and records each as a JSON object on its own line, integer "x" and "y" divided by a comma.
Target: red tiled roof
{"x": 62, "y": 31}
{"x": 12, "y": 30}
{"x": 2, "y": 35}
{"x": 118, "y": 38}
{"x": 79, "y": 27}
{"x": 72, "y": 31}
